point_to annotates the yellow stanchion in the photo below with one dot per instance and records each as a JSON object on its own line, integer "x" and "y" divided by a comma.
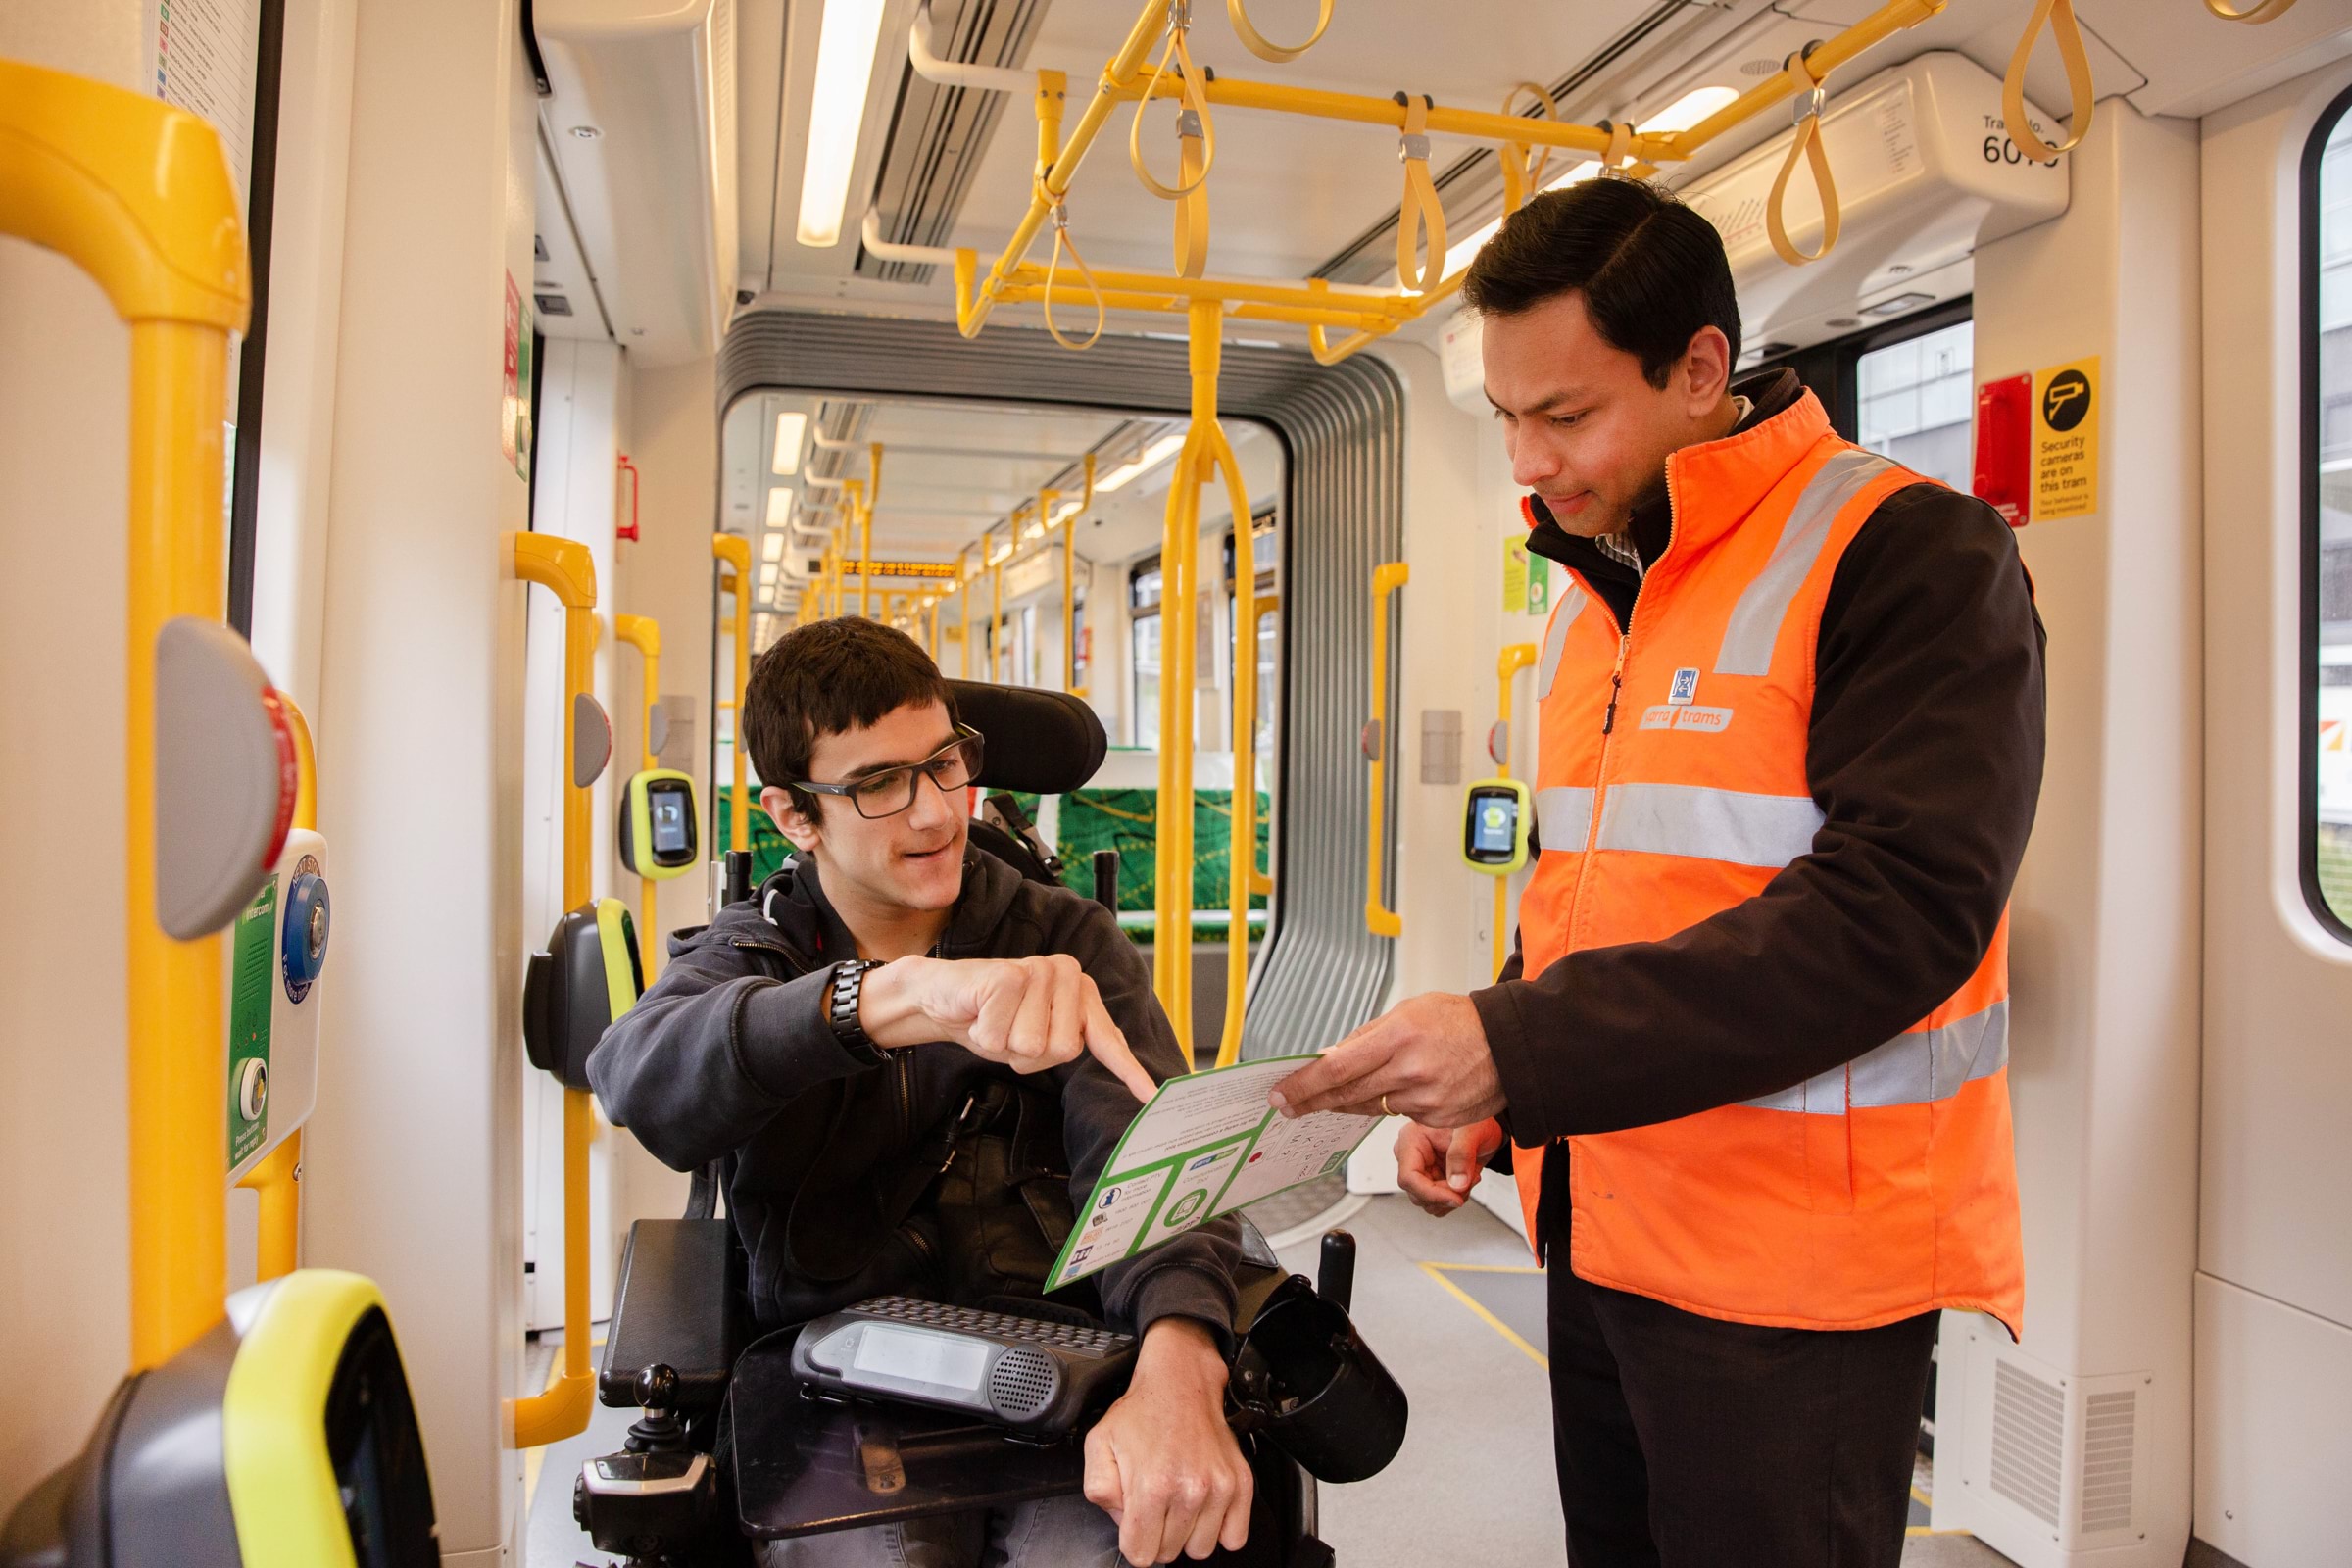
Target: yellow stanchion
{"x": 1515, "y": 657}
{"x": 644, "y": 633}
{"x": 275, "y": 1182}
{"x": 865, "y": 531}
{"x": 564, "y": 568}
{"x": 1379, "y": 919}
{"x": 137, "y": 195}
{"x": 1069, "y": 582}
{"x": 735, "y": 551}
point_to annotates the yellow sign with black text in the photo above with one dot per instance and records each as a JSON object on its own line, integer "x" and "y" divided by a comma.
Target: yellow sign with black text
{"x": 2066, "y": 440}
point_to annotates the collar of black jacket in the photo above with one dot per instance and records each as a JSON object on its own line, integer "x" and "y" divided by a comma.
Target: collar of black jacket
{"x": 1773, "y": 393}
{"x": 792, "y": 905}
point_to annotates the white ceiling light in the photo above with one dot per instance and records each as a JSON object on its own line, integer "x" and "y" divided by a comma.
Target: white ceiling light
{"x": 771, "y": 548}
{"x": 780, "y": 499}
{"x": 999, "y": 552}
{"x": 1690, "y": 108}
{"x": 845, "y": 66}
{"x": 767, "y": 581}
{"x": 791, "y": 425}
{"x": 1153, "y": 457}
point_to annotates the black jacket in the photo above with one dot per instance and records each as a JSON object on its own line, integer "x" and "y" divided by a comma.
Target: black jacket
{"x": 1924, "y": 753}
{"x": 730, "y": 1053}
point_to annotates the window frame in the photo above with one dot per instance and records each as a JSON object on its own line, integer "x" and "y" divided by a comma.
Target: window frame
{"x": 1832, "y": 369}
{"x": 2307, "y": 695}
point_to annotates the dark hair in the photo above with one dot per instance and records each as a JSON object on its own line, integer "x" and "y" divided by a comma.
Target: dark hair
{"x": 827, "y": 680}
{"x": 1652, "y": 271}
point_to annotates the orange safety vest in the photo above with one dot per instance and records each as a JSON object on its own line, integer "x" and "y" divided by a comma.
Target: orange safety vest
{"x": 1872, "y": 1192}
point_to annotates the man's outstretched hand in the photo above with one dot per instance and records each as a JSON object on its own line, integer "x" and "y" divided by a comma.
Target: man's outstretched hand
{"x": 1427, "y": 1057}
{"x": 1163, "y": 1462}
{"x": 1027, "y": 1013}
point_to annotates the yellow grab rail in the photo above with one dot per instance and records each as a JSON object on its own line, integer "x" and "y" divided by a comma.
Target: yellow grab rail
{"x": 1515, "y": 657}
{"x": 276, "y": 1181}
{"x": 1240, "y": 859}
{"x": 644, "y": 633}
{"x": 1069, "y": 582}
{"x": 736, "y": 552}
{"x": 564, "y": 568}
{"x": 1379, "y": 919}
{"x": 865, "y": 531}
{"x": 137, "y": 195}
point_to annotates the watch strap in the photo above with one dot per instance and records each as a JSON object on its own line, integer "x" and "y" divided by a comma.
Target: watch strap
{"x": 843, "y": 990}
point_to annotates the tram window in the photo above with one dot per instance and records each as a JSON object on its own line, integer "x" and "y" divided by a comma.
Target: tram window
{"x": 1147, "y": 681}
{"x": 1915, "y": 399}
{"x": 2326, "y": 726}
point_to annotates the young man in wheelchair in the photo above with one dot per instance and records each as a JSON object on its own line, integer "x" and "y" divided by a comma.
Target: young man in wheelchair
{"x": 913, "y": 1062}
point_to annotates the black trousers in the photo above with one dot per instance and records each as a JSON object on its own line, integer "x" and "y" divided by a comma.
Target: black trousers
{"x": 1686, "y": 1441}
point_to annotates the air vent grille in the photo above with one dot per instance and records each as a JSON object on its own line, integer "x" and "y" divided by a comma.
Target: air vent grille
{"x": 2110, "y": 1434}
{"x": 1022, "y": 1382}
{"x": 2029, "y": 1428}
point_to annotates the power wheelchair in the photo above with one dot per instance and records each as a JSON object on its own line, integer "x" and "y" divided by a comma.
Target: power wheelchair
{"x": 730, "y": 1451}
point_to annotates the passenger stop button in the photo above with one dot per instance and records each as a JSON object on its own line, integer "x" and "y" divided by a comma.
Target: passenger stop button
{"x": 253, "y": 1088}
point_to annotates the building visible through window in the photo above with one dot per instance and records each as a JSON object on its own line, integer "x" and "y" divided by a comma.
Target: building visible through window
{"x": 1916, "y": 401}
{"x": 2333, "y": 751}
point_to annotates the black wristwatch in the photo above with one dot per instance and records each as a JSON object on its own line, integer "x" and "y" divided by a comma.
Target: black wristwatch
{"x": 841, "y": 1010}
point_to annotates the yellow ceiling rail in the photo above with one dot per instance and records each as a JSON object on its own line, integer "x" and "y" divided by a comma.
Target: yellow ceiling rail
{"x": 137, "y": 195}
{"x": 566, "y": 568}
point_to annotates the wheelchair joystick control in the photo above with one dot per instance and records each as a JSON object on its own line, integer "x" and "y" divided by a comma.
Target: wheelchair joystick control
{"x": 658, "y": 1432}
{"x": 1335, "y": 1279}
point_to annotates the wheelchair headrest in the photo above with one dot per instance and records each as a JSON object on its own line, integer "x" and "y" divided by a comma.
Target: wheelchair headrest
{"x": 1040, "y": 742}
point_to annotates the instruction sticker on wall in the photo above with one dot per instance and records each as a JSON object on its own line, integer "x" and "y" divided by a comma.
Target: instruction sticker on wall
{"x": 1526, "y": 581}
{"x": 2066, "y": 440}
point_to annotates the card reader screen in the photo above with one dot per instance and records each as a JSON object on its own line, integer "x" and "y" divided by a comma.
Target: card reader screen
{"x": 924, "y": 1357}
{"x": 1495, "y": 825}
{"x": 668, "y": 807}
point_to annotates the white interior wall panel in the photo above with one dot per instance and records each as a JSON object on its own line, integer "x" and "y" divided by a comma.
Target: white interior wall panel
{"x": 2274, "y": 1313}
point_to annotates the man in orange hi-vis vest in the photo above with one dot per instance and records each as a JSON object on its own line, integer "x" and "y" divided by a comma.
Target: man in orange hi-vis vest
{"x": 1751, "y": 1056}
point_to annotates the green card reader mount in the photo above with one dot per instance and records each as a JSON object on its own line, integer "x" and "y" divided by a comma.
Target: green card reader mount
{"x": 657, "y": 838}
{"x": 1497, "y": 816}
{"x": 589, "y": 975}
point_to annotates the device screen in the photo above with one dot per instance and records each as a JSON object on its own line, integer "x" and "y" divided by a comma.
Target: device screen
{"x": 668, "y": 808}
{"x": 911, "y": 1353}
{"x": 1496, "y": 826}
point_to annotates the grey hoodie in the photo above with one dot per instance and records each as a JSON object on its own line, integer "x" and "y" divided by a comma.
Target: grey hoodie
{"x": 730, "y": 1053}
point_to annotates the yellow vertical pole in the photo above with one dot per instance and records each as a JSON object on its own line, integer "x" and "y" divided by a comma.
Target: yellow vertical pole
{"x": 855, "y": 491}
{"x": 565, "y": 566}
{"x": 866, "y": 548}
{"x": 964, "y": 612}
{"x": 996, "y": 620}
{"x": 1515, "y": 657}
{"x": 1241, "y": 846}
{"x": 736, "y": 552}
{"x": 1379, "y": 919}
{"x": 644, "y": 633}
{"x": 274, "y": 1181}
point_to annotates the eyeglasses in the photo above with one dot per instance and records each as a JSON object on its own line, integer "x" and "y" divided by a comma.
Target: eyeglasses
{"x": 892, "y": 790}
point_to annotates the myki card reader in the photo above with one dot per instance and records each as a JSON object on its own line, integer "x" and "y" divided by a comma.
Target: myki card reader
{"x": 656, "y": 824}
{"x": 1495, "y": 826}
{"x": 1034, "y": 1376}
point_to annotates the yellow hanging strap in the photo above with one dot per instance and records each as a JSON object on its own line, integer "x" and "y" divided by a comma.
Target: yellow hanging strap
{"x": 1420, "y": 208}
{"x": 1059, "y": 213}
{"x": 1258, "y": 43}
{"x": 2267, "y": 11}
{"x": 1807, "y": 148}
{"x": 1195, "y": 144}
{"x": 1523, "y": 165}
{"x": 2059, "y": 17}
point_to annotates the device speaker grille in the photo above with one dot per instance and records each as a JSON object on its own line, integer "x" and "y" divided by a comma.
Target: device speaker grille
{"x": 1022, "y": 1382}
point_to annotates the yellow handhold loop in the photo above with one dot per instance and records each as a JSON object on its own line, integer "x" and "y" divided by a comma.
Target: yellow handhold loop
{"x": 2059, "y": 17}
{"x": 2267, "y": 11}
{"x": 1193, "y": 122}
{"x": 1059, "y": 213}
{"x": 1807, "y": 148}
{"x": 1523, "y": 165}
{"x": 1621, "y": 148}
{"x": 1420, "y": 208}
{"x": 1258, "y": 43}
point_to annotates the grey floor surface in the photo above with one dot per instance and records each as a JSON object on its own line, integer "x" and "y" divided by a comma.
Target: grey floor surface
{"x": 1474, "y": 1483}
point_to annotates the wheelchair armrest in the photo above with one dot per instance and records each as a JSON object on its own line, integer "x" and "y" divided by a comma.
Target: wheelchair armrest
{"x": 677, "y": 1302}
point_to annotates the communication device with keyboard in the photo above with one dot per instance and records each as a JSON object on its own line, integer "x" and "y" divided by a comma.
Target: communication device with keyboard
{"x": 1031, "y": 1375}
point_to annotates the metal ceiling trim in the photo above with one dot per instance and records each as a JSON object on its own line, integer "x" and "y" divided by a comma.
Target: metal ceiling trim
{"x": 1320, "y": 973}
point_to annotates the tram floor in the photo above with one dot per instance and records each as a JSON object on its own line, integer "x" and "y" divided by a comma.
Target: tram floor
{"x": 1455, "y": 1310}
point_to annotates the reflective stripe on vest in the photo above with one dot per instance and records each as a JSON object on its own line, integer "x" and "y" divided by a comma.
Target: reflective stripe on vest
{"x": 1562, "y": 815}
{"x": 1730, "y": 825}
{"x": 1755, "y": 623}
{"x": 1916, "y": 1068}
{"x": 1556, "y": 638}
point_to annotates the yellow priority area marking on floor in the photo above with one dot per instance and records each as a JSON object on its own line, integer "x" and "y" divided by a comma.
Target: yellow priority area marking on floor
{"x": 1439, "y": 1271}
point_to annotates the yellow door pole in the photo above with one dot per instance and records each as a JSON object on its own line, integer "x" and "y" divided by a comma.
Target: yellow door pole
{"x": 865, "y": 552}
{"x": 137, "y": 195}
{"x": 855, "y": 490}
{"x": 644, "y": 633}
{"x": 736, "y": 552}
{"x": 564, "y": 568}
{"x": 276, "y": 1181}
{"x": 1379, "y": 919}
{"x": 1070, "y": 581}
{"x": 1242, "y": 854}
{"x": 1515, "y": 657}
{"x": 995, "y": 617}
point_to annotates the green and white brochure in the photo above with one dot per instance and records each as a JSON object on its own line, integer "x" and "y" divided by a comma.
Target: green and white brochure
{"x": 1208, "y": 1144}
